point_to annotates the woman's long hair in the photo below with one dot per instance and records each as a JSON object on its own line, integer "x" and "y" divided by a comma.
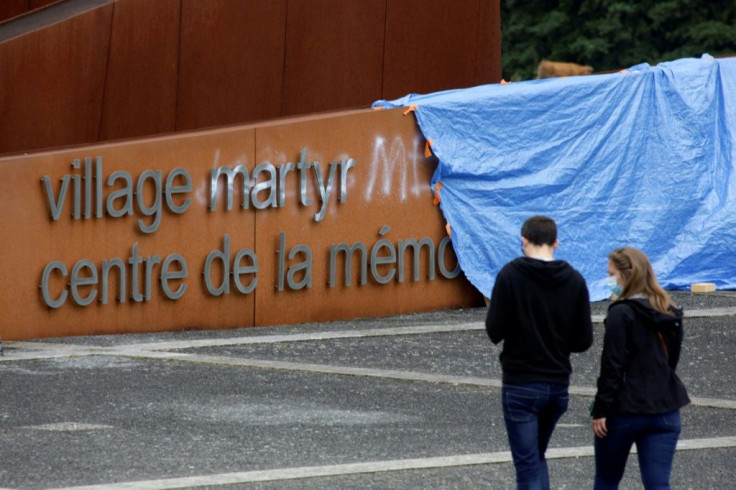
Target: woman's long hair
{"x": 638, "y": 277}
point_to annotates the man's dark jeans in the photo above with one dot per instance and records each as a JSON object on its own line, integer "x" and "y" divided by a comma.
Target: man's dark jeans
{"x": 531, "y": 411}
{"x": 656, "y": 439}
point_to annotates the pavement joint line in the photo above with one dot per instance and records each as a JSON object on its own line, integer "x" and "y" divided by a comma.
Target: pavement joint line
{"x": 710, "y": 312}
{"x": 161, "y": 350}
{"x": 38, "y": 350}
{"x": 713, "y": 403}
{"x": 42, "y": 350}
{"x": 587, "y": 391}
{"x": 697, "y": 313}
{"x": 78, "y": 349}
{"x": 147, "y": 351}
{"x": 310, "y": 336}
{"x": 298, "y": 473}
{"x": 318, "y": 368}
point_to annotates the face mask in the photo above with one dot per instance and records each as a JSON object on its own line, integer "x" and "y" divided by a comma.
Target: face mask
{"x": 613, "y": 286}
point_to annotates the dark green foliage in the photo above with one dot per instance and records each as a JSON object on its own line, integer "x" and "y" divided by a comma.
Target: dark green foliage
{"x": 611, "y": 35}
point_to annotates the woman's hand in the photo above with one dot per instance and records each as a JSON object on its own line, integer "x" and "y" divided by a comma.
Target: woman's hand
{"x": 599, "y": 427}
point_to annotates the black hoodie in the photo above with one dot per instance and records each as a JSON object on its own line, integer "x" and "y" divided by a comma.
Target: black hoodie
{"x": 541, "y": 311}
{"x": 641, "y": 349}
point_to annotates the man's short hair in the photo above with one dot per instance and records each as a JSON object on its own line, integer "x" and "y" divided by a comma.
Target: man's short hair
{"x": 540, "y": 230}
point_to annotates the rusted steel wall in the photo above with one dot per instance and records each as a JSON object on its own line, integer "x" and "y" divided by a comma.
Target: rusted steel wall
{"x": 131, "y": 68}
{"x": 231, "y": 62}
{"x": 140, "y": 93}
{"x": 431, "y": 46}
{"x": 334, "y": 54}
{"x": 52, "y": 83}
{"x": 135, "y": 237}
{"x": 13, "y": 8}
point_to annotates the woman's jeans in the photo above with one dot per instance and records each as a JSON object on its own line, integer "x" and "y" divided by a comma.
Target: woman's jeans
{"x": 655, "y": 437}
{"x": 530, "y": 411}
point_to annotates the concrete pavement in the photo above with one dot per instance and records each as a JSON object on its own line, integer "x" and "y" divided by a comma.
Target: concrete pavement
{"x": 400, "y": 402}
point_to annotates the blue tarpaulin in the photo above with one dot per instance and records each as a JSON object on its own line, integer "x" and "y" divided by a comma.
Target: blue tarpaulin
{"x": 644, "y": 157}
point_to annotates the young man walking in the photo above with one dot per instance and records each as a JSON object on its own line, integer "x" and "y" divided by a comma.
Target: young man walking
{"x": 540, "y": 309}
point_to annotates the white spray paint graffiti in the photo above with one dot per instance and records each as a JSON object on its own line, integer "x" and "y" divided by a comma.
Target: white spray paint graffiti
{"x": 393, "y": 170}
{"x": 392, "y": 163}
{"x": 203, "y": 191}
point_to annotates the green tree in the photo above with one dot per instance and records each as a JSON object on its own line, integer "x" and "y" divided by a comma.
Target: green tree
{"x": 611, "y": 35}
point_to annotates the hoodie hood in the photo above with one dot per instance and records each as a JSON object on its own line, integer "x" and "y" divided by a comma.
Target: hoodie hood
{"x": 655, "y": 319}
{"x": 542, "y": 271}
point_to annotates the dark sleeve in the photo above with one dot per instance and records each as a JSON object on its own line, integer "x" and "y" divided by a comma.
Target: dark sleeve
{"x": 582, "y": 335}
{"x": 497, "y": 318}
{"x": 613, "y": 361}
{"x": 675, "y": 345}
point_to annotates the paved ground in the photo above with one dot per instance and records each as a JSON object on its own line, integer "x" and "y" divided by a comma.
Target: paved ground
{"x": 400, "y": 402}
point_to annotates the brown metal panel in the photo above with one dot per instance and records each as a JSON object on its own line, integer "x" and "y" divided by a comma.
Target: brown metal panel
{"x": 140, "y": 91}
{"x": 37, "y": 4}
{"x": 386, "y": 197}
{"x": 52, "y": 81}
{"x": 430, "y": 46}
{"x": 231, "y": 61}
{"x": 488, "y": 61}
{"x": 11, "y": 8}
{"x": 334, "y": 54}
{"x": 32, "y": 240}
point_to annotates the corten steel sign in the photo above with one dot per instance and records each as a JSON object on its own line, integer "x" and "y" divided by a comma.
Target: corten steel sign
{"x": 90, "y": 71}
{"x": 301, "y": 220}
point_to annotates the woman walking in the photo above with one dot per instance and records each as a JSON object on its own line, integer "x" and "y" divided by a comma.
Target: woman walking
{"x": 639, "y": 394}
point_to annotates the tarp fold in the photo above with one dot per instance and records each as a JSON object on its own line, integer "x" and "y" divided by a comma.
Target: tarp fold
{"x": 644, "y": 157}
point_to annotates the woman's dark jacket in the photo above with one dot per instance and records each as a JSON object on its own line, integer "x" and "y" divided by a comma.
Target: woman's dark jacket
{"x": 638, "y": 365}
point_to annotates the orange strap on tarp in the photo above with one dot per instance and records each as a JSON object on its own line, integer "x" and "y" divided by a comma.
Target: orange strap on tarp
{"x": 448, "y": 229}
{"x": 437, "y": 188}
{"x": 410, "y": 109}
{"x": 428, "y": 148}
